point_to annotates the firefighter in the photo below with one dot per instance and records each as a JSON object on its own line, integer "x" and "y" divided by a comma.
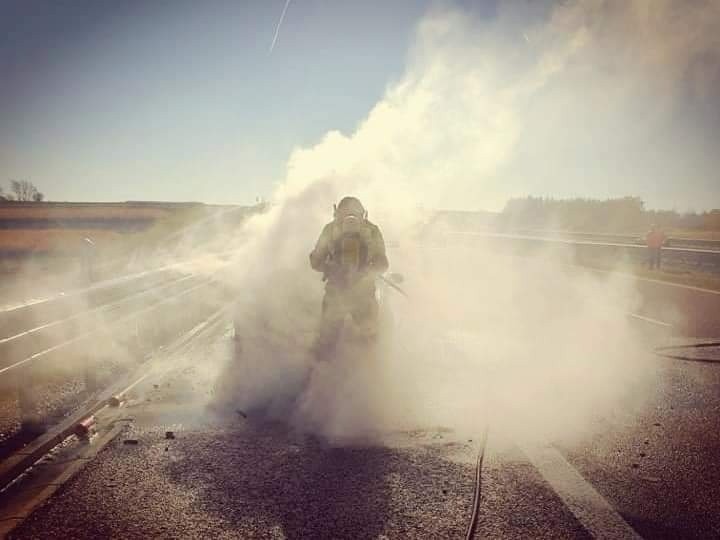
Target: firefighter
{"x": 655, "y": 239}
{"x": 351, "y": 254}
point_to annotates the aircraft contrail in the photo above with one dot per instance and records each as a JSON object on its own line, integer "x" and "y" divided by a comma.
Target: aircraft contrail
{"x": 277, "y": 28}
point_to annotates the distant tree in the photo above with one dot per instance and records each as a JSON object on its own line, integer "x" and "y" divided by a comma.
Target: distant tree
{"x": 624, "y": 214}
{"x": 25, "y": 191}
{"x": 711, "y": 220}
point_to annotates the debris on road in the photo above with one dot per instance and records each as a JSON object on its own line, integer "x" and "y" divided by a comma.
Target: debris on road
{"x": 652, "y": 479}
{"x": 115, "y": 401}
{"x": 86, "y": 427}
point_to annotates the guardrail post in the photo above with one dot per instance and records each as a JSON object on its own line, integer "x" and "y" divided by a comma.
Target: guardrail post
{"x": 89, "y": 375}
{"x": 30, "y": 420}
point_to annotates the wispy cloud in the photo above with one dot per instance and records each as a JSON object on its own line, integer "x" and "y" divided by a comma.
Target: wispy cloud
{"x": 277, "y": 28}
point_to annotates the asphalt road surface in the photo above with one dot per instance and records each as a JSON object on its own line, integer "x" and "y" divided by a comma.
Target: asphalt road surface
{"x": 646, "y": 468}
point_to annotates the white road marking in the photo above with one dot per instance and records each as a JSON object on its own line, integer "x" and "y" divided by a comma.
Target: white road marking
{"x": 590, "y": 508}
{"x": 652, "y": 280}
{"x": 650, "y": 320}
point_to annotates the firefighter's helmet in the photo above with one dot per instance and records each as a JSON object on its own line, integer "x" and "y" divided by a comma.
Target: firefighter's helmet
{"x": 350, "y": 206}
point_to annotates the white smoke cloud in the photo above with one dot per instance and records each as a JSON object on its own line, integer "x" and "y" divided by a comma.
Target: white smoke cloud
{"x": 479, "y": 109}
{"x": 592, "y": 101}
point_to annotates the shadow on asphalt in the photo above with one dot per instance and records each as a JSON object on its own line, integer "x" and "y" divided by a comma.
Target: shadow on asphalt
{"x": 259, "y": 478}
{"x": 654, "y": 530}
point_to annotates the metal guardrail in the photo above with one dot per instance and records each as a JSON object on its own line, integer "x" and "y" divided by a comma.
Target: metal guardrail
{"x": 559, "y": 240}
{"x": 96, "y": 330}
{"x": 674, "y": 258}
{"x": 619, "y": 238}
{"x": 21, "y": 350}
{"x": 94, "y": 418}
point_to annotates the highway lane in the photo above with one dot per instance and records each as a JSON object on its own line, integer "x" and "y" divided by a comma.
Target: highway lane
{"x": 692, "y": 311}
{"x": 245, "y": 479}
{"x": 658, "y": 463}
{"x": 652, "y": 460}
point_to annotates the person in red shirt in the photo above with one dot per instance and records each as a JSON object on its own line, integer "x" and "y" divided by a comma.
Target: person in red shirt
{"x": 654, "y": 240}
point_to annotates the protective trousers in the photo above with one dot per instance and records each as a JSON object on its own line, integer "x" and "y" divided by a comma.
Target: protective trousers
{"x": 337, "y": 304}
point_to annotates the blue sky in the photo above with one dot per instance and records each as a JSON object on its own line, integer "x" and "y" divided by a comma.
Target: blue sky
{"x": 181, "y": 100}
